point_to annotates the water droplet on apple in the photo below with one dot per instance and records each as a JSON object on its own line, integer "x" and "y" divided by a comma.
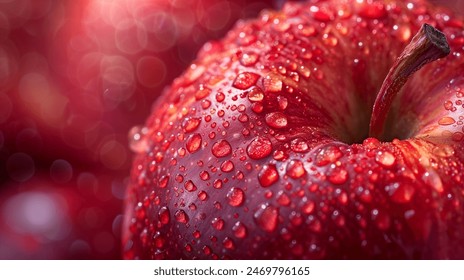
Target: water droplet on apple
{"x": 446, "y": 121}
{"x": 299, "y": 145}
{"x": 191, "y": 124}
{"x": 227, "y": 166}
{"x": 308, "y": 207}
{"x": 240, "y": 230}
{"x": 260, "y": 147}
{"x": 204, "y": 175}
{"x": 221, "y": 148}
{"x": 255, "y": 94}
{"x": 245, "y": 80}
{"x": 283, "y": 199}
{"x": 276, "y": 120}
{"x": 328, "y": 155}
{"x": 190, "y": 186}
{"x": 228, "y": 243}
{"x": 181, "y": 216}
{"x": 295, "y": 169}
{"x": 202, "y": 195}
{"x": 266, "y": 217}
{"x": 163, "y": 181}
{"x": 400, "y": 192}
{"x": 202, "y": 92}
{"x": 338, "y": 176}
{"x": 218, "y": 223}
{"x": 236, "y": 197}
{"x": 272, "y": 83}
{"x": 193, "y": 143}
{"x": 164, "y": 215}
{"x": 268, "y": 175}
{"x": 432, "y": 179}
{"x": 386, "y": 159}
{"x": 248, "y": 58}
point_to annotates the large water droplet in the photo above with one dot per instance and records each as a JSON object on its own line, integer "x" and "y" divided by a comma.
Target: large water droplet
{"x": 181, "y": 216}
{"x": 193, "y": 143}
{"x": 191, "y": 124}
{"x": 259, "y": 148}
{"x": 299, "y": 145}
{"x": 272, "y": 83}
{"x": 221, "y": 148}
{"x": 227, "y": 166}
{"x": 446, "y": 121}
{"x": 245, "y": 80}
{"x": 267, "y": 217}
{"x": 386, "y": 159}
{"x": 276, "y": 120}
{"x": 190, "y": 186}
{"x": 236, "y": 196}
{"x": 240, "y": 230}
{"x": 295, "y": 169}
{"x": 164, "y": 215}
{"x": 255, "y": 94}
{"x": 268, "y": 175}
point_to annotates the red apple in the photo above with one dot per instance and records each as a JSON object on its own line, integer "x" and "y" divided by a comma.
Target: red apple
{"x": 306, "y": 134}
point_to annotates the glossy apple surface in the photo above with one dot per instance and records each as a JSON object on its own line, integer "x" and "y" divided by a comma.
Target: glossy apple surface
{"x": 261, "y": 149}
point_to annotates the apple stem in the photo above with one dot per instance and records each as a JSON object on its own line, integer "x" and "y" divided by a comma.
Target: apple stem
{"x": 428, "y": 44}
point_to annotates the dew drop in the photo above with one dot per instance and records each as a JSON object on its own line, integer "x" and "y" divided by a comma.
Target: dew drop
{"x": 299, "y": 145}
{"x": 283, "y": 199}
{"x": 400, "y": 192}
{"x": 204, "y": 175}
{"x": 191, "y": 124}
{"x": 228, "y": 243}
{"x": 266, "y": 217}
{"x": 255, "y": 94}
{"x": 338, "y": 176}
{"x": 163, "y": 181}
{"x": 308, "y": 207}
{"x": 295, "y": 169}
{"x": 276, "y": 120}
{"x": 220, "y": 97}
{"x": 272, "y": 84}
{"x": 245, "y": 80}
{"x": 446, "y": 121}
{"x": 386, "y": 159}
{"x": 240, "y": 230}
{"x": 196, "y": 234}
{"x": 283, "y": 102}
{"x": 202, "y": 195}
{"x": 193, "y": 143}
{"x": 218, "y": 223}
{"x": 248, "y": 59}
{"x": 236, "y": 197}
{"x": 268, "y": 175}
{"x": 217, "y": 184}
{"x": 227, "y": 166}
{"x": 202, "y": 92}
{"x": 328, "y": 155}
{"x": 260, "y": 147}
{"x": 221, "y": 148}
{"x": 164, "y": 215}
{"x": 181, "y": 216}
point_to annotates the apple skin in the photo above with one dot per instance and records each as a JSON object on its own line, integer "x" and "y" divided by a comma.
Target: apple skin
{"x": 260, "y": 150}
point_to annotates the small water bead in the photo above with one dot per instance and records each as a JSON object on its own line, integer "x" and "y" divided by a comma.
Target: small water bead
{"x": 228, "y": 243}
{"x": 218, "y": 223}
{"x": 164, "y": 215}
{"x": 236, "y": 197}
{"x": 158, "y": 240}
{"x": 400, "y": 192}
{"x": 202, "y": 92}
{"x": 283, "y": 199}
{"x": 268, "y": 175}
{"x": 299, "y": 145}
{"x": 220, "y": 97}
{"x": 272, "y": 83}
{"x": 245, "y": 80}
{"x": 204, "y": 175}
{"x": 308, "y": 207}
{"x": 267, "y": 217}
{"x": 257, "y": 107}
{"x": 338, "y": 176}
{"x": 276, "y": 120}
{"x": 386, "y": 159}
{"x": 221, "y": 148}
{"x": 202, "y": 195}
{"x": 193, "y": 143}
{"x": 295, "y": 169}
{"x": 255, "y": 94}
{"x": 163, "y": 181}
{"x": 181, "y": 216}
{"x": 248, "y": 58}
{"x": 227, "y": 166}
{"x": 240, "y": 230}
{"x": 328, "y": 155}
{"x": 260, "y": 147}
{"x": 191, "y": 124}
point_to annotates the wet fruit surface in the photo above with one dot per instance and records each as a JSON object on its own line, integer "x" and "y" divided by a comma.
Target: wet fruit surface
{"x": 298, "y": 177}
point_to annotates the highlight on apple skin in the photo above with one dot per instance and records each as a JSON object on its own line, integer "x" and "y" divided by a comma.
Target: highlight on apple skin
{"x": 265, "y": 148}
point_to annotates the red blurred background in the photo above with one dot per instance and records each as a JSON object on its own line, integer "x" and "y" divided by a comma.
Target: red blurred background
{"x": 75, "y": 77}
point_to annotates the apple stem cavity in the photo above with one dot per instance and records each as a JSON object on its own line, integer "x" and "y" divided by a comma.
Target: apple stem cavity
{"x": 428, "y": 45}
